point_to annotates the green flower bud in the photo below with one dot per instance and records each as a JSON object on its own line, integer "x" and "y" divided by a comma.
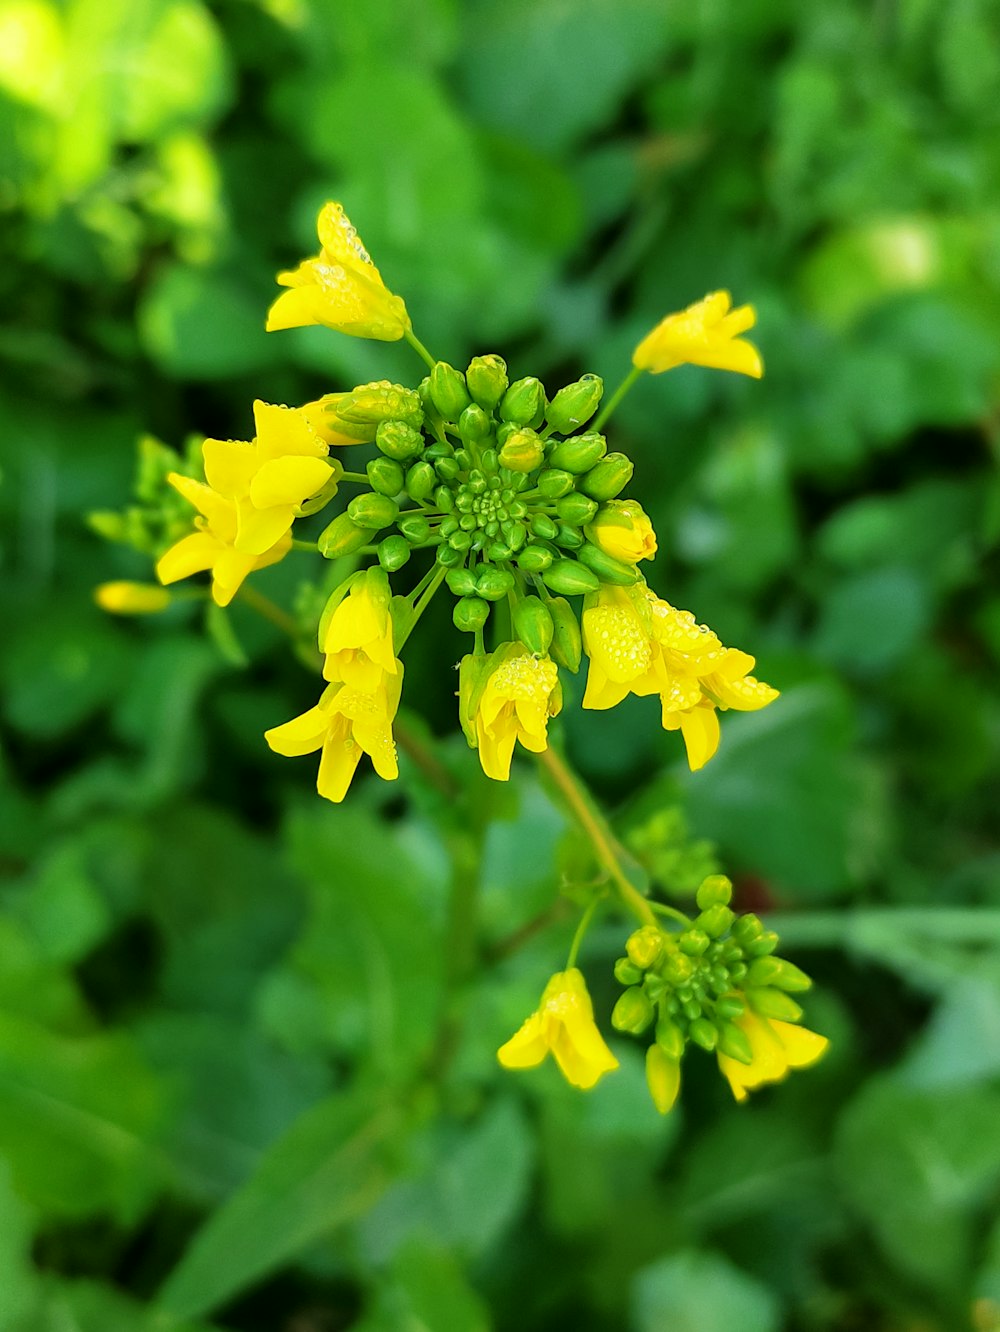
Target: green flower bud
{"x": 460, "y": 540}
{"x": 385, "y": 476}
{"x": 704, "y": 1033}
{"x": 439, "y": 449}
{"x": 373, "y": 511}
{"x": 398, "y": 440}
{"x": 542, "y": 526}
{"x": 567, "y": 644}
{"x": 534, "y": 559}
{"x": 462, "y": 582}
{"x": 691, "y": 1008}
{"x": 746, "y": 928}
{"x": 608, "y": 478}
{"x": 579, "y": 454}
{"x": 553, "y": 483}
{"x": 663, "y": 1078}
{"x": 716, "y": 890}
{"x": 775, "y": 971}
{"x": 693, "y": 942}
{"x": 343, "y": 537}
{"x": 677, "y": 968}
{"x": 645, "y": 946}
{"x": 487, "y": 381}
{"x": 576, "y": 509}
{"x": 716, "y": 920}
{"x": 494, "y": 584}
{"x": 448, "y": 392}
{"x": 393, "y": 553}
{"x": 447, "y": 468}
{"x": 569, "y": 538}
{"x": 522, "y": 451}
{"x": 415, "y": 528}
{"x": 626, "y": 972}
{"x": 730, "y": 1007}
{"x": 420, "y": 481}
{"x": 371, "y": 404}
{"x": 765, "y": 943}
{"x": 733, "y": 1042}
{"x": 575, "y": 404}
{"x": 773, "y": 1004}
{"x": 470, "y": 614}
{"x": 448, "y": 556}
{"x": 473, "y": 424}
{"x": 533, "y": 624}
{"x": 633, "y": 1012}
{"x": 524, "y": 401}
{"x": 570, "y": 578}
{"x": 499, "y": 551}
{"x": 670, "y": 1038}
{"x": 444, "y": 499}
{"x": 608, "y": 569}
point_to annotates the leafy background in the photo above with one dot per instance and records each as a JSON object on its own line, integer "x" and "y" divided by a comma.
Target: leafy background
{"x": 246, "y": 1054}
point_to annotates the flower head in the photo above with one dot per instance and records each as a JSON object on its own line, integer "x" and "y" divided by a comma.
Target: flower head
{"x": 776, "y": 1047}
{"x": 340, "y": 288}
{"x": 563, "y": 1023}
{"x": 213, "y": 545}
{"x": 345, "y": 723}
{"x": 356, "y": 635}
{"x": 622, "y": 530}
{"x": 706, "y": 333}
{"x": 513, "y": 695}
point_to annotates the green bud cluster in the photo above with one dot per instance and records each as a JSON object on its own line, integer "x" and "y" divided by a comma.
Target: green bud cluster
{"x": 499, "y": 482}
{"x": 696, "y": 984}
{"x": 160, "y": 516}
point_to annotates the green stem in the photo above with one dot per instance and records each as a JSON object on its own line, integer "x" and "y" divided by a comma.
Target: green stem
{"x": 359, "y": 478}
{"x": 269, "y": 609}
{"x": 616, "y": 397}
{"x": 662, "y": 909}
{"x": 419, "y": 347}
{"x": 303, "y": 545}
{"x": 581, "y": 930}
{"x": 597, "y": 830}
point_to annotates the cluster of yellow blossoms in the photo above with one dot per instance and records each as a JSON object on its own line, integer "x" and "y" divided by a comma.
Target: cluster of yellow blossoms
{"x": 516, "y": 499}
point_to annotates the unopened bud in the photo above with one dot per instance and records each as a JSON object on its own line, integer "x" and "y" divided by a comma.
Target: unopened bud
{"x": 524, "y": 402}
{"x": 663, "y": 1078}
{"x": 608, "y": 569}
{"x": 693, "y": 942}
{"x": 371, "y": 404}
{"x": 398, "y": 440}
{"x": 579, "y": 454}
{"x": 473, "y": 671}
{"x": 626, "y": 972}
{"x": 622, "y": 529}
{"x": 553, "y": 483}
{"x": 534, "y": 559}
{"x": 734, "y": 1043}
{"x": 576, "y": 509}
{"x": 494, "y": 584}
{"x": 487, "y": 381}
{"x": 773, "y": 1004}
{"x": 415, "y": 528}
{"x": 393, "y": 553}
{"x": 448, "y": 392}
{"x": 575, "y": 404}
{"x": 373, "y": 511}
{"x": 716, "y": 920}
{"x": 704, "y": 1033}
{"x": 567, "y": 643}
{"x": 533, "y": 624}
{"x": 633, "y": 1012}
{"x": 124, "y": 598}
{"x": 670, "y": 1038}
{"x": 343, "y": 537}
{"x": 570, "y": 578}
{"x": 385, "y": 476}
{"x": 523, "y": 451}
{"x": 420, "y": 481}
{"x": 716, "y": 890}
{"x": 470, "y": 614}
{"x": 608, "y": 477}
{"x": 645, "y": 946}
{"x": 473, "y": 424}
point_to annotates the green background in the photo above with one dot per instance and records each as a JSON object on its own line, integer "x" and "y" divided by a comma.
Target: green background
{"x": 247, "y": 1074}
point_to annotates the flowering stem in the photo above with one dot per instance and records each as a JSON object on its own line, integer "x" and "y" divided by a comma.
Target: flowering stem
{"x": 419, "y": 347}
{"x": 360, "y": 478}
{"x": 581, "y": 931}
{"x": 616, "y": 397}
{"x": 269, "y": 609}
{"x": 303, "y": 545}
{"x": 673, "y": 913}
{"x": 596, "y": 828}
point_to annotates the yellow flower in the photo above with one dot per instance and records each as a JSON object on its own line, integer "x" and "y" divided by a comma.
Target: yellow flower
{"x": 131, "y": 598}
{"x": 212, "y": 546}
{"x": 706, "y": 333}
{"x": 640, "y": 644}
{"x": 622, "y": 530}
{"x": 515, "y": 695}
{"x": 357, "y": 636}
{"x": 271, "y": 478}
{"x": 776, "y": 1048}
{"x": 345, "y": 723}
{"x": 340, "y": 288}
{"x": 564, "y": 1023}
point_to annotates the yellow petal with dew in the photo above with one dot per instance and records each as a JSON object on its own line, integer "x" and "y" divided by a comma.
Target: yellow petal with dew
{"x": 288, "y": 480}
{"x": 302, "y": 735}
{"x": 230, "y": 466}
{"x": 527, "y": 1047}
{"x": 192, "y": 554}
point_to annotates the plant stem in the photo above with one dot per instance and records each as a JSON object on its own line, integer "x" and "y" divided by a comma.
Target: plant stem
{"x": 269, "y": 609}
{"x": 616, "y": 397}
{"x": 596, "y": 828}
{"x": 419, "y": 347}
{"x": 581, "y": 931}
{"x": 673, "y": 913}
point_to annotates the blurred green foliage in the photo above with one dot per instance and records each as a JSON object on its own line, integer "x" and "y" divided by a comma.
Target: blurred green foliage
{"x": 246, "y": 1065}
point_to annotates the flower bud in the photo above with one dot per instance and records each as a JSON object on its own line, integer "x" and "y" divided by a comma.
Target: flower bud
{"x": 773, "y": 1004}
{"x": 704, "y": 1033}
{"x": 575, "y": 404}
{"x": 670, "y": 1038}
{"x": 543, "y": 526}
{"x": 622, "y": 530}
{"x": 576, "y": 509}
{"x": 533, "y": 624}
{"x": 448, "y": 392}
{"x": 626, "y": 972}
{"x": 733, "y": 1042}
{"x": 373, "y": 511}
{"x": 746, "y": 928}
{"x": 393, "y": 553}
{"x": 716, "y": 890}
{"x": 473, "y": 424}
{"x": 579, "y": 454}
{"x": 693, "y": 942}
{"x": 608, "y": 477}
{"x": 325, "y": 419}
{"x": 385, "y": 476}
{"x": 124, "y": 598}
{"x": 494, "y": 584}
{"x": 462, "y": 582}
{"x": 645, "y": 946}
{"x": 487, "y": 381}
{"x": 343, "y": 537}
{"x": 633, "y": 1012}
{"x": 608, "y": 569}
{"x": 524, "y": 402}
{"x": 764, "y": 943}
{"x": 534, "y": 559}
{"x": 420, "y": 481}
{"x": 716, "y": 920}
{"x": 663, "y": 1078}
{"x": 568, "y": 538}
{"x": 371, "y": 404}
{"x": 473, "y": 671}
{"x": 415, "y": 528}
{"x": 553, "y": 483}
{"x": 776, "y": 971}
{"x": 730, "y": 1007}
{"x": 567, "y": 643}
{"x": 523, "y": 451}
{"x": 470, "y": 614}
{"x": 398, "y": 440}
{"x": 570, "y": 578}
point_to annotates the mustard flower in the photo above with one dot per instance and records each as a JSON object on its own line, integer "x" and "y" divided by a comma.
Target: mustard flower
{"x": 706, "y": 333}
{"x": 356, "y": 636}
{"x": 513, "y": 693}
{"x": 776, "y": 1048}
{"x": 563, "y": 1024}
{"x": 340, "y": 288}
{"x": 622, "y": 530}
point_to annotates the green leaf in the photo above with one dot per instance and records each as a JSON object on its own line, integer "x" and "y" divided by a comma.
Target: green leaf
{"x": 330, "y": 1167}
{"x": 200, "y": 323}
{"x": 425, "y": 1289}
{"x": 870, "y": 622}
{"x": 697, "y": 1291}
{"x": 19, "y": 1285}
